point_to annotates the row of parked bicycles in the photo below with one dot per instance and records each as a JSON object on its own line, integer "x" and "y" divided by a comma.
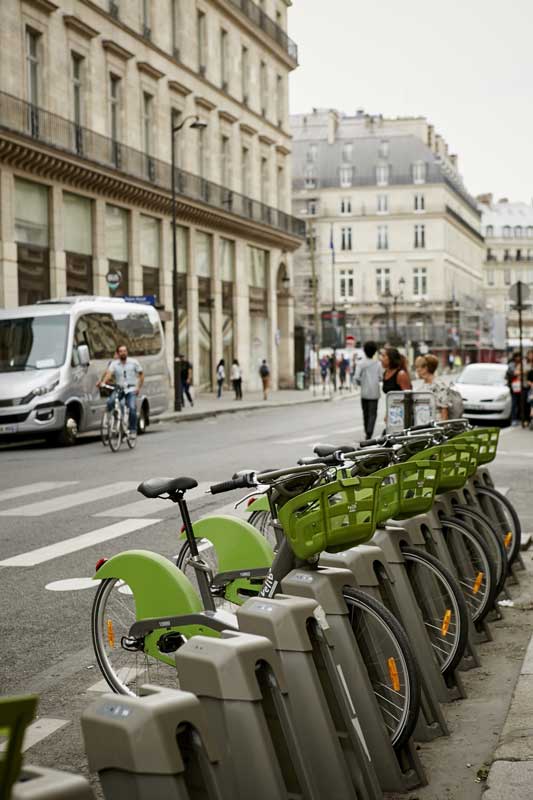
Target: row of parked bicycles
{"x": 403, "y": 547}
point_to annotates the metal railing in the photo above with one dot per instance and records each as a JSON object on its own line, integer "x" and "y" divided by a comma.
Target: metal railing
{"x": 267, "y": 25}
{"x": 64, "y": 135}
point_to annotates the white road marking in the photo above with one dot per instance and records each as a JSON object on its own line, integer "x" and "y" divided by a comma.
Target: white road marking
{"x": 122, "y": 674}
{"x": 142, "y": 508}
{"x": 72, "y": 585}
{"x": 312, "y": 437}
{"x": 38, "y": 731}
{"x": 42, "y": 554}
{"x": 70, "y": 500}
{"x": 503, "y": 490}
{"x": 33, "y": 488}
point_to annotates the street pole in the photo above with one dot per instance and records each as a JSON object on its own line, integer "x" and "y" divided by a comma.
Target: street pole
{"x": 521, "y": 342}
{"x": 315, "y": 300}
{"x": 333, "y": 309}
{"x": 175, "y": 293}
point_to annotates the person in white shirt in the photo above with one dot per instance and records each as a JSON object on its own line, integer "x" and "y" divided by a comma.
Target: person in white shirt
{"x": 368, "y": 375}
{"x": 236, "y": 379}
{"x": 221, "y": 377}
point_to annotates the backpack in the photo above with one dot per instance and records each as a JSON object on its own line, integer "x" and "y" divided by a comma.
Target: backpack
{"x": 264, "y": 371}
{"x": 456, "y": 406}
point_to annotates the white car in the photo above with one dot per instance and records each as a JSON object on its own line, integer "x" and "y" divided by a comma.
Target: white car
{"x": 485, "y": 392}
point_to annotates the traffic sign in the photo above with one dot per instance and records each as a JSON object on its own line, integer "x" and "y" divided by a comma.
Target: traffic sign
{"x": 113, "y": 279}
{"x": 519, "y": 293}
{"x": 148, "y": 299}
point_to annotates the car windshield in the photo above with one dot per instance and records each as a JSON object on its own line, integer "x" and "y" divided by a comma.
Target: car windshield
{"x": 481, "y": 376}
{"x": 33, "y": 342}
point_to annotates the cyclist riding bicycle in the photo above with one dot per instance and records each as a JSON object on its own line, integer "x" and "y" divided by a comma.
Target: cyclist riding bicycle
{"x": 127, "y": 374}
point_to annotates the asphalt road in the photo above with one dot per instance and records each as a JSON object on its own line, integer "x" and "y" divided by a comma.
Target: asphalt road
{"x": 51, "y": 498}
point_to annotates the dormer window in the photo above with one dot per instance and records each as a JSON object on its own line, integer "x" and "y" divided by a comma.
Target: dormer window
{"x": 419, "y": 172}
{"x": 382, "y": 174}
{"x": 506, "y": 231}
{"x": 347, "y": 151}
{"x": 518, "y": 231}
{"x": 383, "y": 151}
{"x": 310, "y": 177}
{"x": 489, "y": 230}
{"x": 345, "y": 176}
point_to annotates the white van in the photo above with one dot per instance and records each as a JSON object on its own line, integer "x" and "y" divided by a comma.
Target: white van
{"x": 53, "y": 353}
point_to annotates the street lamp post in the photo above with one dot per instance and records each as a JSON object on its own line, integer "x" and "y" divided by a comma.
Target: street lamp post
{"x": 393, "y": 298}
{"x": 174, "y": 129}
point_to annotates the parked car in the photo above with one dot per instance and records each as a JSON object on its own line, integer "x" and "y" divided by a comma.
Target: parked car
{"x": 485, "y": 392}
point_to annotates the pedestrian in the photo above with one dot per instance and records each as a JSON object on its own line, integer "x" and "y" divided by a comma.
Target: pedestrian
{"x": 236, "y": 379}
{"x": 368, "y": 375}
{"x": 324, "y": 367}
{"x": 343, "y": 366}
{"x": 128, "y": 375}
{"x": 395, "y": 371}
{"x": 426, "y": 369}
{"x": 221, "y": 376}
{"x": 332, "y": 362}
{"x": 514, "y": 380}
{"x": 451, "y": 361}
{"x": 264, "y": 372}
{"x": 529, "y": 379}
{"x": 186, "y": 380}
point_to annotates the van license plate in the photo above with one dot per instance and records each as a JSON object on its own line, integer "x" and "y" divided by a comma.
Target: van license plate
{"x": 9, "y": 428}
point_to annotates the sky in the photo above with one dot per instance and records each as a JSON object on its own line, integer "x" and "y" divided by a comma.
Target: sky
{"x": 465, "y": 65}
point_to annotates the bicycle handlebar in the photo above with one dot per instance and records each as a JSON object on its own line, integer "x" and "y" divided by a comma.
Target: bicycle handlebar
{"x": 272, "y": 475}
{"x": 246, "y": 481}
{"x": 333, "y": 460}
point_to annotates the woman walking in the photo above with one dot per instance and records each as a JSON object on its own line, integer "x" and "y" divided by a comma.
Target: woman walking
{"x": 221, "y": 376}
{"x": 236, "y": 379}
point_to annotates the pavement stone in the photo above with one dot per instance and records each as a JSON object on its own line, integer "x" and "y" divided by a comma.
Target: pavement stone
{"x": 510, "y": 780}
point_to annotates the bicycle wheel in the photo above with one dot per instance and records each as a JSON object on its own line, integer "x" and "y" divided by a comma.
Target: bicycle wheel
{"x": 475, "y": 572}
{"x": 387, "y": 655}
{"x": 441, "y": 604}
{"x": 502, "y": 514}
{"x": 104, "y": 428}
{"x": 115, "y": 431}
{"x": 131, "y": 440}
{"x": 262, "y": 520}
{"x": 495, "y": 542}
{"x": 125, "y": 670}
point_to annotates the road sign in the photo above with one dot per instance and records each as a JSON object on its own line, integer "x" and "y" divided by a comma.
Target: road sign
{"x": 148, "y": 299}
{"x": 519, "y": 293}
{"x": 113, "y": 279}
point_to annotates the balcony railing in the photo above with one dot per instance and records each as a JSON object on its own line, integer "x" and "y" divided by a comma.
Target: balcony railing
{"x": 64, "y": 135}
{"x": 267, "y": 25}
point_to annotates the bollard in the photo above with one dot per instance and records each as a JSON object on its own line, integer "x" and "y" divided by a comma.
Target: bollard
{"x": 38, "y": 783}
{"x": 157, "y": 745}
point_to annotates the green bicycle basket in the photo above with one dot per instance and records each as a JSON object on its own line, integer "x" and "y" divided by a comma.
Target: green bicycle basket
{"x": 455, "y": 463}
{"x": 487, "y": 438}
{"x": 333, "y": 516}
{"x": 407, "y": 489}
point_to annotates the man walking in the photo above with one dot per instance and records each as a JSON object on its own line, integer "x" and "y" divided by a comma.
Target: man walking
{"x": 127, "y": 374}
{"x": 368, "y": 375}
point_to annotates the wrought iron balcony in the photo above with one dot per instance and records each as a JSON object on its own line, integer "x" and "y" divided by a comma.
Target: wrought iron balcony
{"x": 62, "y": 134}
{"x": 256, "y": 15}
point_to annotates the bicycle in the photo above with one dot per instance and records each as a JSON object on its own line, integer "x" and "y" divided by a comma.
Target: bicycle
{"x": 151, "y": 608}
{"x": 114, "y": 426}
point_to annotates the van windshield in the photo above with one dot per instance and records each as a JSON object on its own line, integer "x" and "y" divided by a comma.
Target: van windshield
{"x": 33, "y": 342}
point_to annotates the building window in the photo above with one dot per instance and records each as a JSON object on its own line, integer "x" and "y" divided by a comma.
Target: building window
{"x": 518, "y": 231}
{"x": 419, "y": 172}
{"x": 114, "y": 107}
{"x": 382, "y": 280}
{"x": 311, "y": 207}
{"x": 530, "y": 255}
{"x": 280, "y": 99}
{"x": 507, "y": 255}
{"x": 224, "y": 53}
{"x": 346, "y": 205}
{"x": 383, "y": 204}
{"x": 382, "y": 174}
{"x": 310, "y": 177}
{"x": 148, "y": 103}
{"x": 175, "y": 22}
{"x": 420, "y": 281}
{"x": 116, "y": 245}
{"x": 311, "y": 154}
{"x": 346, "y": 238}
{"x": 489, "y": 230}
{"x": 77, "y": 87}
{"x": 147, "y": 18}
{"x": 150, "y": 254}
{"x": 346, "y": 284}
{"x": 77, "y": 218}
{"x": 519, "y": 255}
{"x": 245, "y": 170}
{"x": 263, "y": 87}
{"x": 201, "y": 36}
{"x": 420, "y": 203}
{"x": 265, "y": 183}
{"x": 383, "y": 150}
{"x": 225, "y": 160}
{"x": 33, "y": 66}
{"x": 281, "y": 187}
{"x": 420, "y": 236}
{"x": 311, "y": 241}
{"x": 529, "y": 233}
{"x": 203, "y": 153}
{"x": 383, "y": 237}
{"x": 175, "y": 116}
{"x": 490, "y": 255}
{"x": 346, "y": 176}
{"x": 506, "y": 231}
{"x": 245, "y": 75}
{"x": 507, "y": 277}
{"x": 347, "y": 151}
{"x": 490, "y": 277}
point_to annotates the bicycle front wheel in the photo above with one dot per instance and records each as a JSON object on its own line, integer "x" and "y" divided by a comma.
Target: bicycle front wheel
{"x": 492, "y": 538}
{"x": 441, "y": 604}
{"x": 389, "y": 661}
{"x": 105, "y": 428}
{"x": 122, "y": 661}
{"x": 262, "y": 520}
{"x": 115, "y": 432}
{"x": 503, "y": 516}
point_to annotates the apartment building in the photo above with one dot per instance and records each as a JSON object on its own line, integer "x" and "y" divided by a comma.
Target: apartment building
{"x": 396, "y": 237}
{"x": 508, "y": 231}
{"x": 89, "y": 92}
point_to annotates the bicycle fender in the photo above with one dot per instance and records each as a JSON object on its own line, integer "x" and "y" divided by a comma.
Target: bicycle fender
{"x": 259, "y": 504}
{"x": 238, "y": 544}
{"x": 159, "y": 587}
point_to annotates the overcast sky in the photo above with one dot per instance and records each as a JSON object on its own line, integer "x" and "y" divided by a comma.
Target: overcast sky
{"x": 466, "y": 65}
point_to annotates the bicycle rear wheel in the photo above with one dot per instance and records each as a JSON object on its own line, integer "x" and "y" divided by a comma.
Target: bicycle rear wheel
{"x": 115, "y": 432}
{"x": 495, "y": 542}
{"x": 262, "y": 520}
{"x": 472, "y": 563}
{"x": 391, "y": 668}
{"x": 441, "y": 604}
{"x": 503, "y": 516}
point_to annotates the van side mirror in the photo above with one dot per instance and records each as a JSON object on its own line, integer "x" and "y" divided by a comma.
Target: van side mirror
{"x": 83, "y": 355}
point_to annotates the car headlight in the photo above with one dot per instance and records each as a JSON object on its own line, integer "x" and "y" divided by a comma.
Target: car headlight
{"x": 501, "y": 397}
{"x": 40, "y": 391}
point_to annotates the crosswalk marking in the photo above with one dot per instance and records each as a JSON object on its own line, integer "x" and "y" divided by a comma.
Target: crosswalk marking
{"x": 37, "y": 731}
{"x": 33, "y": 488}
{"x": 42, "y": 554}
{"x": 70, "y": 500}
{"x": 143, "y": 507}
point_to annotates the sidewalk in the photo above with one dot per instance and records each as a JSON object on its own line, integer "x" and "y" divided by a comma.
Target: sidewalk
{"x": 207, "y": 404}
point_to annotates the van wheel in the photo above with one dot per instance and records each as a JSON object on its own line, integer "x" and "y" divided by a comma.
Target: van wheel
{"x": 68, "y": 434}
{"x": 143, "y": 421}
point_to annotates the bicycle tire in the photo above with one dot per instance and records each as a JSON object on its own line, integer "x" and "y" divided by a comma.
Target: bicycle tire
{"x": 357, "y": 602}
{"x": 141, "y": 667}
{"x": 435, "y": 621}
{"x": 115, "y": 433}
{"x": 261, "y": 520}
{"x": 475, "y": 572}
{"x": 482, "y": 524}
{"x": 131, "y": 440}
{"x": 514, "y": 549}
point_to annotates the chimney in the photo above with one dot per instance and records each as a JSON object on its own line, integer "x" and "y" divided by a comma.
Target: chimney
{"x": 503, "y": 200}
{"x": 486, "y": 198}
{"x": 332, "y": 125}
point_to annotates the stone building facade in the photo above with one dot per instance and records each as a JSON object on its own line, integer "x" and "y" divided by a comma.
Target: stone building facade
{"x": 397, "y": 238}
{"x": 508, "y": 231}
{"x": 89, "y": 90}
